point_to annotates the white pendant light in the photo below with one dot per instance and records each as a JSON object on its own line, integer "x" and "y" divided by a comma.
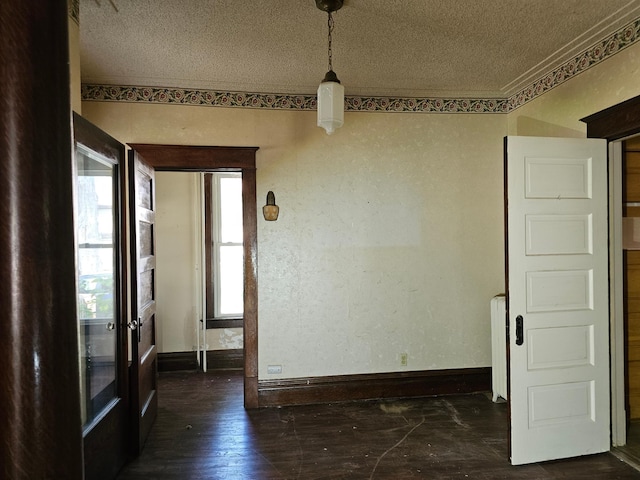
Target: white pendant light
{"x": 330, "y": 103}
{"x": 330, "y": 92}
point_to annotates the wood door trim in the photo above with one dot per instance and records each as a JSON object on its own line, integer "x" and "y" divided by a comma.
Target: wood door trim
{"x": 615, "y": 122}
{"x": 185, "y": 158}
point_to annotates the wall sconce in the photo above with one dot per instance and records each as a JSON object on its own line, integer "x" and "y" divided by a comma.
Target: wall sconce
{"x": 270, "y": 210}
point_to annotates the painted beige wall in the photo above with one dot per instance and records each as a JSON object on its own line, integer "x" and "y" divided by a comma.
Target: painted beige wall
{"x": 557, "y": 113}
{"x": 389, "y": 238}
{"x": 389, "y": 242}
{"x": 74, "y": 66}
{"x": 177, "y": 286}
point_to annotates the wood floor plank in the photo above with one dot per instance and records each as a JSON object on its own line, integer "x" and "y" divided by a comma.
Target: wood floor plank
{"x": 203, "y": 432}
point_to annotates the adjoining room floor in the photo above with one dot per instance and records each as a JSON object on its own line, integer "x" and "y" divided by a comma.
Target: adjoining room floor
{"x": 631, "y": 451}
{"x": 203, "y": 432}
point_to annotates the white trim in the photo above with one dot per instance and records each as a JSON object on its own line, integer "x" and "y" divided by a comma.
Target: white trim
{"x": 616, "y": 297}
{"x": 200, "y": 268}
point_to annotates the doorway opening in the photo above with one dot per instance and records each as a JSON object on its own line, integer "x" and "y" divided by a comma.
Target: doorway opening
{"x": 177, "y": 158}
{"x": 199, "y": 270}
{"x": 624, "y": 167}
{"x": 616, "y": 124}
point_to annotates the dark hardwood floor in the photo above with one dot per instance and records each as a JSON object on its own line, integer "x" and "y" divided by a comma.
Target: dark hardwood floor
{"x": 631, "y": 451}
{"x": 203, "y": 432}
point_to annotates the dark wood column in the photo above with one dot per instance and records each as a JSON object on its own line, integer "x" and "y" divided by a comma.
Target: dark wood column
{"x": 39, "y": 384}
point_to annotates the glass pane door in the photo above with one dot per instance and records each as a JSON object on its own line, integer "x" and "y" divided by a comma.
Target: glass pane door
{"x": 96, "y": 261}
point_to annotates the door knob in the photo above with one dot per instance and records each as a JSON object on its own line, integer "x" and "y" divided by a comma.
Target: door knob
{"x": 133, "y": 324}
{"x": 111, "y": 326}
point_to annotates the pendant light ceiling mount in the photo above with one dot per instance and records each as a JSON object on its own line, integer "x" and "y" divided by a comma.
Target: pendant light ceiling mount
{"x": 330, "y": 91}
{"x": 329, "y": 5}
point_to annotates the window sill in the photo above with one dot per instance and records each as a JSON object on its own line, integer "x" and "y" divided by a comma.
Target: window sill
{"x": 224, "y": 323}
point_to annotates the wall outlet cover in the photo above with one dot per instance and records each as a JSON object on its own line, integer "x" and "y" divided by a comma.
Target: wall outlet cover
{"x": 404, "y": 359}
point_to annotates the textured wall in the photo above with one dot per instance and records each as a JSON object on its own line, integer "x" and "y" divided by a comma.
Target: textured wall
{"x": 74, "y": 65}
{"x": 177, "y": 287}
{"x": 389, "y": 240}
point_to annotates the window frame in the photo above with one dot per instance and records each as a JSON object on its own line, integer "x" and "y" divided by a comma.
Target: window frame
{"x": 211, "y": 222}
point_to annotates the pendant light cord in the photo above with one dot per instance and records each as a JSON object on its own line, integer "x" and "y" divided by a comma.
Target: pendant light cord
{"x": 330, "y": 52}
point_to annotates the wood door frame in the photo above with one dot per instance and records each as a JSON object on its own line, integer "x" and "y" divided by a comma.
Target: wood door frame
{"x": 183, "y": 158}
{"x": 614, "y": 124}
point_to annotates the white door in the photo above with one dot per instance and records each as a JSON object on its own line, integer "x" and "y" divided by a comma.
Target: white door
{"x": 557, "y": 297}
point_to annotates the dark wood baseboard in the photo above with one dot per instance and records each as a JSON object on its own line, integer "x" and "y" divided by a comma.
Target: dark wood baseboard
{"x": 342, "y": 388}
{"x": 225, "y": 359}
{"x": 174, "y": 361}
{"x": 225, "y": 323}
{"x": 216, "y": 360}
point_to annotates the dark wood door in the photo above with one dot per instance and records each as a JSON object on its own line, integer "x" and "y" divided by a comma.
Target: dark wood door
{"x": 101, "y": 298}
{"x": 143, "y": 302}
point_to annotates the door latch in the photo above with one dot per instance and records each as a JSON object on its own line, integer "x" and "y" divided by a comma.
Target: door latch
{"x": 519, "y": 330}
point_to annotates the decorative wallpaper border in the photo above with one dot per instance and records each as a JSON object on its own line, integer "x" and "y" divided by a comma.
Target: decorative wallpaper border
{"x": 602, "y": 50}
{"x": 578, "y": 64}
{"x": 113, "y": 93}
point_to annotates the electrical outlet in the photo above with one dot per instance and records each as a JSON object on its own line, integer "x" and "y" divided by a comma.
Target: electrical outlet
{"x": 274, "y": 369}
{"x": 403, "y": 359}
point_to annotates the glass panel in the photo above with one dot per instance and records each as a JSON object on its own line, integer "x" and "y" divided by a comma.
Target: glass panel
{"x": 95, "y": 220}
{"x": 231, "y": 280}
{"x": 231, "y": 210}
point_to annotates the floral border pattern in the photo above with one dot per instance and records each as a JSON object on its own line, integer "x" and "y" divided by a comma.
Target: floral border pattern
{"x": 578, "y": 64}
{"x": 590, "y": 57}
{"x": 112, "y": 93}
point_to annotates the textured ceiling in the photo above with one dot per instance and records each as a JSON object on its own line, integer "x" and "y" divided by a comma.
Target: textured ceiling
{"x": 421, "y": 48}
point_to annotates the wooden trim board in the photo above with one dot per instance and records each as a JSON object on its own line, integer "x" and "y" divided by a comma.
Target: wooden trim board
{"x": 216, "y": 360}
{"x": 342, "y": 388}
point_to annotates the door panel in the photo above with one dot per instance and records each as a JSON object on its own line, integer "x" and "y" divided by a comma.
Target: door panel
{"x": 557, "y": 297}
{"x": 143, "y": 346}
{"x": 558, "y": 234}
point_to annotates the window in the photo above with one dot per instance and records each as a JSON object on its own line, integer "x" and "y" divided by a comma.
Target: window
{"x": 97, "y": 260}
{"x": 224, "y": 252}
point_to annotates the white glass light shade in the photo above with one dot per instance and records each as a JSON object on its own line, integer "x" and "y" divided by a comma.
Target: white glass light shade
{"x": 330, "y": 106}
